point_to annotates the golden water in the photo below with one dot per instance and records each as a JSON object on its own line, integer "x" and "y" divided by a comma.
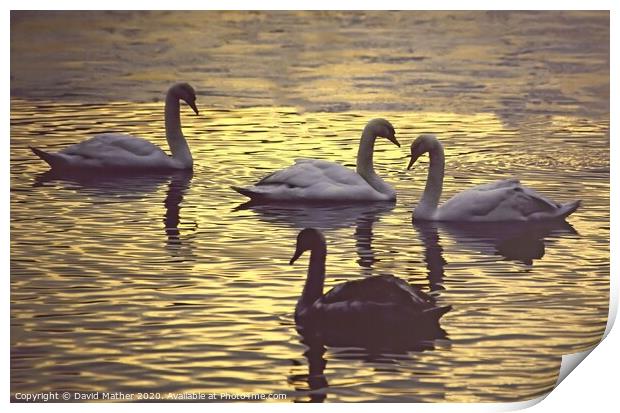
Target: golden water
{"x": 161, "y": 284}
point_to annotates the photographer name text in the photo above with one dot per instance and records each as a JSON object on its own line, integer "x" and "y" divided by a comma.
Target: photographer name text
{"x": 66, "y": 396}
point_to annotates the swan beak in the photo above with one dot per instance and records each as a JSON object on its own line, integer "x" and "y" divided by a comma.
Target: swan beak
{"x": 412, "y": 161}
{"x": 394, "y": 141}
{"x": 297, "y": 254}
{"x": 193, "y": 106}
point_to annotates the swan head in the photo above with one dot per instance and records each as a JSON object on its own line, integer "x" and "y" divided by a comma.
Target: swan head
{"x": 383, "y": 128}
{"x": 308, "y": 239}
{"x": 423, "y": 144}
{"x": 186, "y": 93}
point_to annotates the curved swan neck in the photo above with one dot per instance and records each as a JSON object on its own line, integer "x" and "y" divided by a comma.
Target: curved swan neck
{"x": 313, "y": 290}
{"x": 365, "y": 167}
{"x": 434, "y": 182}
{"x": 178, "y": 145}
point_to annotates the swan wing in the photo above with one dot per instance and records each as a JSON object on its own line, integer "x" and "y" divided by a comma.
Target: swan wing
{"x": 307, "y": 172}
{"x": 499, "y": 201}
{"x": 381, "y": 303}
{"x": 313, "y": 180}
{"x": 113, "y": 144}
{"x": 111, "y": 150}
{"x": 383, "y": 289}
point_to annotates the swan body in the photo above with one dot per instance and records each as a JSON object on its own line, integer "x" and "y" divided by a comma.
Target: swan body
{"x": 379, "y": 303}
{"x": 118, "y": 152}
{"x": 498, "y": 201}
{"x": 313, "y": 180}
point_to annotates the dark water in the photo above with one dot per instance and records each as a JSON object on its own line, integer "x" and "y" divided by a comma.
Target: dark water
{"x": 160, "y": 284}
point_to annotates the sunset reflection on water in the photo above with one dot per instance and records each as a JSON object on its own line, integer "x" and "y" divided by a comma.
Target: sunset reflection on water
{"x": 161, "y": 283}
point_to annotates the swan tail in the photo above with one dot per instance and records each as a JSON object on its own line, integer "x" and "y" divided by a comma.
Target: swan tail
{"x": 51, "y": 159}
{"x": 435, "y": 313}
{"x": 250, "y": 192}
{"x": 244, "y": 191}
{"x": 567, "y": 209}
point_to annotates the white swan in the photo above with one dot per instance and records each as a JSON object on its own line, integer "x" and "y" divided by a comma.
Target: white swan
{"x": 382, "y": 303}
{"x": 497, "y": 201}
{"x": 117, "y": 152}
{"x": 313, "y": 180}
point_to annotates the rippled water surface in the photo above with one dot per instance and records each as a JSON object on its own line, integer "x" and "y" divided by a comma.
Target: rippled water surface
{"x": 163, "y": 284}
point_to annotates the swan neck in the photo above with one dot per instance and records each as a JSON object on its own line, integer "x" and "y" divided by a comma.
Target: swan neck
{"x": 365, "y": 167}
{"x": 313, "y": 290}
{"x": 434, "y": 181}
{"x": 174, "y": 135}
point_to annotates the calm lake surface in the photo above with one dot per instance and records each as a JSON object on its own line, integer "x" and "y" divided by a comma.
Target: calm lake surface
{"x": 162, "y": 284}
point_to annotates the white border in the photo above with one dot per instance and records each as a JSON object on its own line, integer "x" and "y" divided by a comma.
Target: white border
{"x": 593, "y": 385}
{"x": 311, "y": 5}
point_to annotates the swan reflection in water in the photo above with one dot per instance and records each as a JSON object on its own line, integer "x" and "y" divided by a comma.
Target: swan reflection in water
{"x": 313, "y": 386}
{"x": 180, "y": 183}
{"x": 523, "y": 242}
{"x": 329, "y": 217}
{"x": 101, "y": 188}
